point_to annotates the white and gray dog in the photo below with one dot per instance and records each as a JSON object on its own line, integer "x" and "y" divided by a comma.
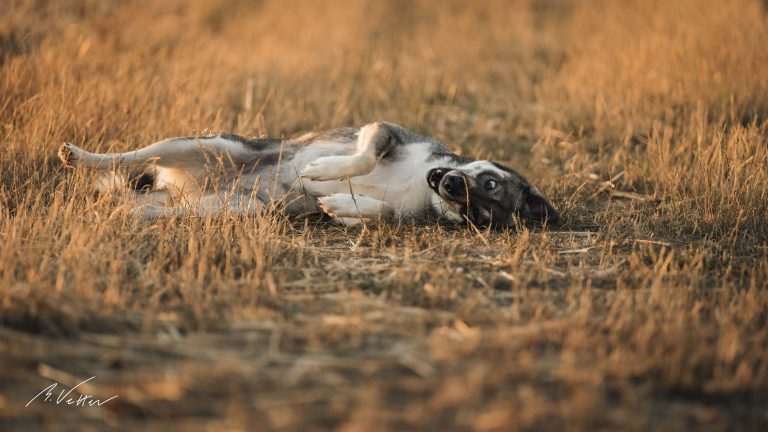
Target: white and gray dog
{"x": 379, "y": 171}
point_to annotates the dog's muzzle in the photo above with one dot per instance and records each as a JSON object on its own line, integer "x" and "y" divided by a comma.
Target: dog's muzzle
{"x": 454, "y": 186}
{"x": 450, "y": 184}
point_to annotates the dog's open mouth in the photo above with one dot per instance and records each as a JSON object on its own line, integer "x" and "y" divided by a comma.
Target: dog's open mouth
{"x": 434, "y": 176}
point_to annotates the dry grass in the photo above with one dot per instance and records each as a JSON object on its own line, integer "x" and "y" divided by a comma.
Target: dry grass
{"x": 644, "y": 121}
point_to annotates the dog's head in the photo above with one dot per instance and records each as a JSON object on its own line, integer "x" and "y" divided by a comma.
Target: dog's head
{"x": 488, "y": 195}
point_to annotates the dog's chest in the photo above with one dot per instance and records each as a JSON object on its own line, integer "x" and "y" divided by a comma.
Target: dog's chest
{"x": 399, "y": 179}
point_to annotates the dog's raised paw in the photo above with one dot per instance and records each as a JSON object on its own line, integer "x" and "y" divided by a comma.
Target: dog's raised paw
{"x": 69, "y": 154}
{"x": 338, "y": 167}
{"x": 321, "y": 169}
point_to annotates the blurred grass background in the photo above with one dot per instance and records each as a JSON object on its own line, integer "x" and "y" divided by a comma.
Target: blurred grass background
{"x": 643, "y": 121}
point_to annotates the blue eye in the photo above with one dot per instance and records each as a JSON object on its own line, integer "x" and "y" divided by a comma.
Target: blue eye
{"x": 490, "y": 184}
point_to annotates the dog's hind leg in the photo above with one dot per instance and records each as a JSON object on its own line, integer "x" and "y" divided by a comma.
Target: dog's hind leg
{"x": 186, "y": 153}
{"x": 374, "y": 141}
{"x": 74, "y": 156}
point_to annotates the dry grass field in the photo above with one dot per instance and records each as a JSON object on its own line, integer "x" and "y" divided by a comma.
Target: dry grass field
{"x": 645, "y": 123}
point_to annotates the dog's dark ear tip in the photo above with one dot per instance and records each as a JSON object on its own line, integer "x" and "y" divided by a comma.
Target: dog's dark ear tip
{"x": 538, "y": 208}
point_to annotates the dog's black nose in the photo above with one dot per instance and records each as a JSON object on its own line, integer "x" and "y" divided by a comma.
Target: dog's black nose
{"x": 453, "y": 183}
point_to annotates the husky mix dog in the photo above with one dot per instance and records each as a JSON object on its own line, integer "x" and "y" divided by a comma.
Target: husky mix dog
{"x": 380, "y": 171}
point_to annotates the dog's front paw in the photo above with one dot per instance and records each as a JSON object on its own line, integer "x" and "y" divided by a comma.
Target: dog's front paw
{"x": 69, "y": 154}
{"x": 354, "y": 206}
{"x": 339, "y": 205}
{"x": 316, "y": 171}
{"x": 338, "y": 167}
{"x": 323, "y": 169}
{"x": 342, "y": 208}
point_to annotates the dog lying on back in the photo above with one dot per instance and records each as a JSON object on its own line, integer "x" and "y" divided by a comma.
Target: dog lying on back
{"x": 379, "y": 171}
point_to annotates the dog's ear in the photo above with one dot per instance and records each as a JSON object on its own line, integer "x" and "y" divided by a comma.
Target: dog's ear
{"x": 537, "y": 207}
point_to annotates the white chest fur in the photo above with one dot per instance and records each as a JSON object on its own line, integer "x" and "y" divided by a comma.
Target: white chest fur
{"x": 400, "y": 181}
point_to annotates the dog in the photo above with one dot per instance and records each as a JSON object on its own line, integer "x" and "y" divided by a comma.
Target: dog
{"x": 381, "y": 171}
